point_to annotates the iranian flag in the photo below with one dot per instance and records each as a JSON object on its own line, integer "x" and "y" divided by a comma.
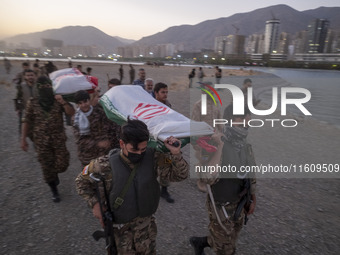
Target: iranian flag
{"x": 132, "y": 100}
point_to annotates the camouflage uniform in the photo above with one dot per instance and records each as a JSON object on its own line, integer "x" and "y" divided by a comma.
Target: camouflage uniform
{"x": 24, "y": 93}
{"x": 163, "y": 181}
{"x": 139, "y": 235}
{"x": 101, "y": 129}
{"x": 49, "y": 138}
{"x": 222, "y": 241}
{"x": 212, "y": 110}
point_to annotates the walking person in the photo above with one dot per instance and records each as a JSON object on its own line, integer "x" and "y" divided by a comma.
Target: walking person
{"x": 218, "y": 75}
{"x": 121, "y": 73}
{"x": 201, "y": 74}
{"x": 141, "y": 80}
{"x": 191, "y": 77}
{"x": 231, "y": 196}
{"x": 44, "y": 115}
{"x": 161, "y": 95}
{"x": 133, "y": 202}
{"x": 132, "y": 73}
{"x": 26, "y": 89}
{"x": 95, "y": 134}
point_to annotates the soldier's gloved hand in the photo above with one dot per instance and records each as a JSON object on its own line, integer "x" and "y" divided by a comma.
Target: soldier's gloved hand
{"x": 169, "y": 144}
{"x": 96, "y": 212}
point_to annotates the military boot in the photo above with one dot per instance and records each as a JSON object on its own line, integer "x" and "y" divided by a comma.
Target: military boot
{"x": 199, "y": 243}
{"x": 165, "y": 194}
{"x": 55, "y": 193}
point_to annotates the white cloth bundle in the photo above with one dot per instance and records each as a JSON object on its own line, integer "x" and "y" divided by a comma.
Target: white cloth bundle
{"x": 70, "y": 80}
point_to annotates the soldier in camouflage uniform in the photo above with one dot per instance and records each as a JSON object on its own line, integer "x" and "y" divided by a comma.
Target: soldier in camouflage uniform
{"x": 95, "y": 134}
{"x": 25, "y": 90}
{"x": 161, "y": 95}
{"x": 134, "y": 223}
{"x": 231, "y": 196}
{"x": 44, "y": 116}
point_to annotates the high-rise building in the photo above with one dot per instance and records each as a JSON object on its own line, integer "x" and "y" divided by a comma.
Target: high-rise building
{"x": 229, "y": 45}
{"x": 271, "y": 36}
{"x": 317, "y": 33}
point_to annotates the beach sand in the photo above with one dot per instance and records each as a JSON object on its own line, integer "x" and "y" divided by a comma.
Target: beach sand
{"x": 293, "y": 215}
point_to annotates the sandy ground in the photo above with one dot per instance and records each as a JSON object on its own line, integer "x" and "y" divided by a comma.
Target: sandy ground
{"x": 293, "y": 215}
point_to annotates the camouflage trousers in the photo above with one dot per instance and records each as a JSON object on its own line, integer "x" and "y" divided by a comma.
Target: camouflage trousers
{"x": 137, "y": 237}
{"x": 53, "y": 157}
{"x": 222, "y": 241}
{"x": 164, "y": 182}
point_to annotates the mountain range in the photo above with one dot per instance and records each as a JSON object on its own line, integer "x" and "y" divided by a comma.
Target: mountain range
{"x": 193, "y": 37}
{"x": 202, "y": 35}
{"x": 72, "y": 35}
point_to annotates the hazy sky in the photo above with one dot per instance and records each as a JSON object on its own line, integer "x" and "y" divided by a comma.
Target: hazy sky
{"x": 131, "y": 19}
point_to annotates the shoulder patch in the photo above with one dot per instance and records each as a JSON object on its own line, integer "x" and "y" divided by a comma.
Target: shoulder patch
{"x": 86, "y": 170}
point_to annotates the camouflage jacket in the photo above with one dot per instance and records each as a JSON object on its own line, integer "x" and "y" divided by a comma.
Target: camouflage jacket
{"x": 24, "y": 93}
{"x": 171, "y": 167}
{"x": 101, "y": 129}
{"x": 45, "y": 124}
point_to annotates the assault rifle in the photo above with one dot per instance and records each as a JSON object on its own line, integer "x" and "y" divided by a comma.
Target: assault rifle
{"x": 107, "y": 219}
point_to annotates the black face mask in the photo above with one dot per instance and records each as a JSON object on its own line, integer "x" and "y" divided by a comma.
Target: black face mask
{"x": 46, "y": 98}
{"x": 135, "y": 157}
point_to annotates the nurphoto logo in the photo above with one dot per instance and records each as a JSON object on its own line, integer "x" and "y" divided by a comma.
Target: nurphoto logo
{"x": 239, "y": 104}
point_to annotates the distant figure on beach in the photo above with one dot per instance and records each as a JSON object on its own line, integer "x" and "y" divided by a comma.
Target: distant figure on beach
{"x": 247, "y": 83}
{"x": 113, "y": 82}
{"x": 148, "y": 85}
{"x": 218, "y": 75}
{"x": 191, "y": 77}
{"x": 20, "y": 76}
{"x": 80, "y": 69}
{"x": 231, "y": 196}
{"x": 121, "y": 73}
{"x": 49, "y": 67}
{"x": 37, "y": 70}
{"x": 140, "y": 81}
{"x": 95, "y": 134}
{"x": 201, "y": 74}
{"x": 88, "y": 71}
{"x": 132, "y": 73}
{"x": 44, "y": 115}
{"x": 8, "y": 65}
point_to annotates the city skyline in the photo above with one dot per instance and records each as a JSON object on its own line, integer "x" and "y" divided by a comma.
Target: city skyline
{"x": 127, "y": 19}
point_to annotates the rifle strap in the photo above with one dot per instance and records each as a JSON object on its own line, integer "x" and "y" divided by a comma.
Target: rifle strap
{"x": 120, "y": 199}
{"x": 215, "y": 210}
